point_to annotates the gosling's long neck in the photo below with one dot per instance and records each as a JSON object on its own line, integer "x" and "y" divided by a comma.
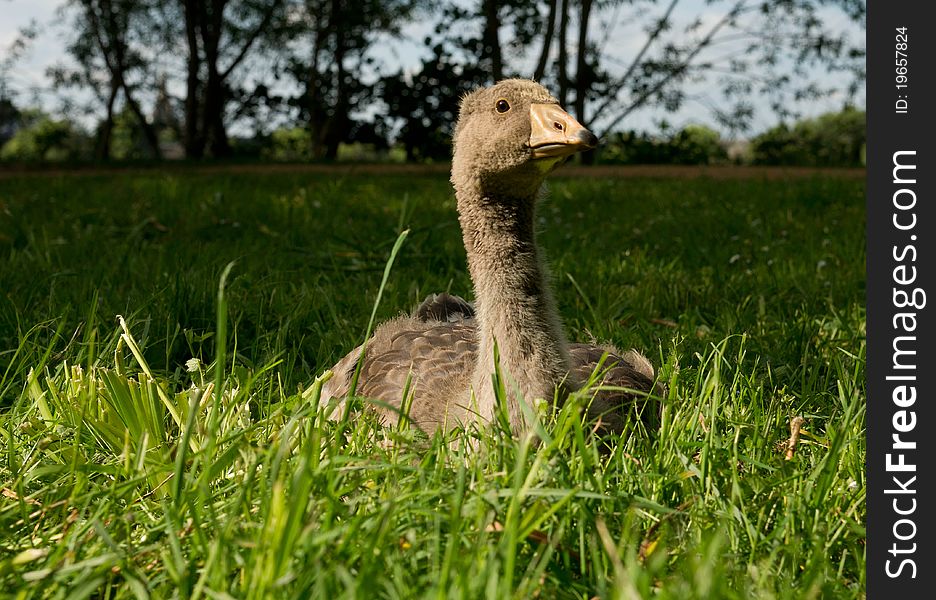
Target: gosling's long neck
{"x": 514, "y": 305}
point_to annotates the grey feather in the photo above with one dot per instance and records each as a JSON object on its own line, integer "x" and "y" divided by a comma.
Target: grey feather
{"x": 444, "y": 307}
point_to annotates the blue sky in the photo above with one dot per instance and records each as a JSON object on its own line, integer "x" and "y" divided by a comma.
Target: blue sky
{"x": 28, "y": 80}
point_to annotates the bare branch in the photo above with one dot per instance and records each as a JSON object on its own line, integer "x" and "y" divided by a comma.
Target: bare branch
{"x": 622, "y": 81}
{"x": 679, "y": 70}
{"x": 252, "y": 38}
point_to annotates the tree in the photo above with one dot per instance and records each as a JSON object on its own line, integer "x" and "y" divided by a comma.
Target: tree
{"x": 231, "y": 63}
{"x": 491, "y": 46}
{"x": 209, "y": 43}
{"x": 749, "y": 47}
{"x": 427, "y": 103}
{"x": 830, "y": 140}
{"x": 220, "y": 36}
{"x": 13, "y": 52}
{"x": 109, "y": 44}
{"x": 741, "y": 47}
{"x": 331, "y": 59}
{"x": 548, "y": 33}
{"x": 10, "y": 116}
{"x": 43, "y": 138}
{"x": 697, "y": 145}
{"x": 466, "y": 50}
{"x": 130, "y": 48}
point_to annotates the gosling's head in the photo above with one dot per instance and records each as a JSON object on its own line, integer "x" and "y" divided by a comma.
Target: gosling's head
{"x": 511, "y": 135}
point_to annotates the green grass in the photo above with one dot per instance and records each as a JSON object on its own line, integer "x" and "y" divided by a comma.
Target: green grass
{"x": 135, "y": 463}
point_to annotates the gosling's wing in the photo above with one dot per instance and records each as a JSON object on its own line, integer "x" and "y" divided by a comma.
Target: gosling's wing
{"x": 431, "y": 361}
{"x": 339, "y": 385}
{"x": 381, "y": 362}
{"x": 444, "y": 308}
{"x": 629, "y": 375}
{"x": 622, "y": 369}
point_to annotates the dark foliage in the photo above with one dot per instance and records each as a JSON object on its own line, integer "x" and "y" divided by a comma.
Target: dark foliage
{"x": 427, "y": 103}
{"x": 693, "y": 145}
{"x": 190, "y": 73}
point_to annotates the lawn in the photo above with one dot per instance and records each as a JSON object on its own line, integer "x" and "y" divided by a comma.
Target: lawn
{"x": 177, "y": 451}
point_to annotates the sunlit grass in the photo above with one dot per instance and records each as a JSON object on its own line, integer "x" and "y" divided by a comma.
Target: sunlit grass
{"x": 136, "y": 463}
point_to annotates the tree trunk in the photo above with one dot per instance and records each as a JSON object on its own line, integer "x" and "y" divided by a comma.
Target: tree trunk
{"x": 337, "y": 124}
{"x": 194, "y": 142}
{"x": 582, "y": 76}
{"x": 102, "y": 150}
{"x": 563, "y": 54}
{"x": 492, "y": 38}
{"x": 547, "y": 42}
{"x": 583, "y": 80}
{"x": 213, "y": 114}
{"x": 313, "y": 85}
{"x": 408, "y": 140}
{"x": 112, "y": 44}
{"x": 214, "y": 102}
{"x": 149, "y": 132}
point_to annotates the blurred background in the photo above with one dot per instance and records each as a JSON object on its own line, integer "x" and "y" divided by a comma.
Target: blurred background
{"x": 697, "y": 82}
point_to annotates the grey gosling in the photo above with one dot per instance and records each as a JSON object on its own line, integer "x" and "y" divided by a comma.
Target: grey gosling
{"x": 508, "y": 138}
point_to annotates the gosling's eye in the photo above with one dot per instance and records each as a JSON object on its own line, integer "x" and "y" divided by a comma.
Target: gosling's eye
{"x": 502, "y": 106}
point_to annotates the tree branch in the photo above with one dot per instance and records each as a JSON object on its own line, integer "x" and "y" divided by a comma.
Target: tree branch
{"x": 582, "y": 83}
{"x": 563, "y": 54}
{"x": 114, "y": 52}
{"x": 99, "y": 38}
{"x": 267, "y": 17}
{"x": 622, "y": 81}
{"x": 547, "y": 42}
{"x": 679, "y": 70}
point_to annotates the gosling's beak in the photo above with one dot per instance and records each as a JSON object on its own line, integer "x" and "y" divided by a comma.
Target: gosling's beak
{"x": 555, "y": 133}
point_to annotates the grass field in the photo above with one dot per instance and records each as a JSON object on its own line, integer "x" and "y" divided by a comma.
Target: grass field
{"x": 177, "y": 452}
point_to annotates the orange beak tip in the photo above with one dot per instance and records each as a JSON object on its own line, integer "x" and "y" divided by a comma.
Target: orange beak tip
{"x": 555, "y": 133}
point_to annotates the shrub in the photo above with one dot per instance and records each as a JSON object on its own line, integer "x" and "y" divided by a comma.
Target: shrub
{"x": 692, "y": 145}
{"x": 830, "y": 140}
{"x": 42, "y": 138}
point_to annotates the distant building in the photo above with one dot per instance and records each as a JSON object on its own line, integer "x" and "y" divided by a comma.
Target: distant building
{"x": 738, "y": 150}
{"x": 167, "y": 123}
